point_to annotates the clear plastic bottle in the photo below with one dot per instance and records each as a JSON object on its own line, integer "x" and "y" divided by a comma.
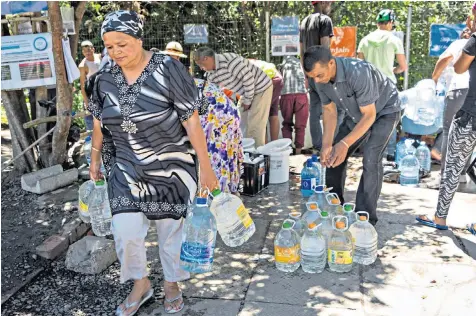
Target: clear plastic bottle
{"x": 287, "y": 252}
{"x": 308, "y": 179}
{"x": 409, "y": 146}
{"x": 401, "y": 150}
{"x": 326, "y": 225}
{"x": 300, "y": 224}
{"x": 340, "y": 247}
{"x": 198, "y": 238}
{"x": 312, "y": 215}
{"x": 349, "y": 212}
{"x": 99, "y": 209}
{"x": 233, "y": 220}
{"x": 317, "y": 166}
{"x": 423, "y": 155}
{"x": 365, "y": 239}
{"x": 409, "y": 171}
{"x": 333, "y": 204}
{"x": 84, "y": 193}
{"x": 319, "y": 196}
{"x": 313, "y": 250}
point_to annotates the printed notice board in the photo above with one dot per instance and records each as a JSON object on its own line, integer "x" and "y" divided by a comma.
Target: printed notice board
{"x": 285, "y": 36}
{"x": 442, "y": 35}
{"x": 196, "y": 33}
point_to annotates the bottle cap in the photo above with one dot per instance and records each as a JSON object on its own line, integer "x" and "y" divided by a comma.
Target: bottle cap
{"x": 313, "y": 206}
{"x": 88, "y": 139}
{"x": 216, "y": 192}
{"x": 312, "y": 225}
{"x": 314, "y": 158}
{"x": 363, "y": 217}
{"x": 100, "y": 182}
{"x": 348, "y": 208}
{"x": 335, "y": 201}
{"x": 201, "y": 201}
{"x": 320, "y": 188}
{"x": 340, "y": 225}
{"x": 309, "y": 163}
{"x": 287, "y": 225}
{"x": 295, "y": 214}
{"x": 324, "y": 214}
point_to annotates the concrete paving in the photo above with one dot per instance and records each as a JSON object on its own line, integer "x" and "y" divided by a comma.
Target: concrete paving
{"x": 419, "y": 271}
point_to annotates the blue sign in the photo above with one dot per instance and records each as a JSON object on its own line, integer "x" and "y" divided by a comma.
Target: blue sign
{"x": 442, "y": 35}
{"x": 195, "y": 33}
{"x": 285, "y": 25}
{"x": 15, "y": 7}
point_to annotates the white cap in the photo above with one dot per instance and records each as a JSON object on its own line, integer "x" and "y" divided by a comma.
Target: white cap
{"x": 174, "y": 49}
{"x": 86, "y": 43}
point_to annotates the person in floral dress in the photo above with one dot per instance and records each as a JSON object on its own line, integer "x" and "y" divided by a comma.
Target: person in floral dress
{"x": 221, "y": 123}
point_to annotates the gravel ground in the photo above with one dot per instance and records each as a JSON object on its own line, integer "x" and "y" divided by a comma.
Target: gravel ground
{"x": 25, "y": 225}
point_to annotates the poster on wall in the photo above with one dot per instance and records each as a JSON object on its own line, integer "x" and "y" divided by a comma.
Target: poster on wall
{"x": 15, "y": 7}
{"x": 442, "y": 35}
{"x": 285, "y": 36}
{"x": 195, "y": 33}
{"x": 27, "y": 61}
{"x": 344, "y": 41}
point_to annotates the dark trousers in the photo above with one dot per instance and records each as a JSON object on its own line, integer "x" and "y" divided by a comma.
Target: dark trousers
{"x": 374, "y": 143}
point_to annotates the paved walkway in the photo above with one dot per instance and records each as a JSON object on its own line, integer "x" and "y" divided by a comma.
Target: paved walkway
{"x": 419, "y": 271}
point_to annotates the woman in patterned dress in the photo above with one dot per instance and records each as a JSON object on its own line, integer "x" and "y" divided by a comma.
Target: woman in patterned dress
{"x": 221, "y": 123}
{"x": 146, "y": 103}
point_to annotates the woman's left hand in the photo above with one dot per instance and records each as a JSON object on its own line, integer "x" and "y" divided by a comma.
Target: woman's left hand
{"x": 208, "y": 179}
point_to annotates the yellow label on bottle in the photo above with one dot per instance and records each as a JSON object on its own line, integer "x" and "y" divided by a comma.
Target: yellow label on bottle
{"x": 288, "y": 255}
{"x": 339, "y": 257}
{"x": 83, "y": 208}
{"x": 244, "y": 216}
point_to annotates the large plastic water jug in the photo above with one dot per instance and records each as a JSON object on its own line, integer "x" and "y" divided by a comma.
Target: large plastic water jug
{"x": 340, "y": 246}
{"x": 287, "y": 250}
{"x": 365, "y": 239}
{"x": 85, "y": 193}
{"x": 319, "y": 196}
{"x": 313, "y": 250}
{"x": 423, "y": 155}
{"x": 313, "y": 214}
{"x": 308, "y": 179}
{"x": 409, "y": 171}
{"x": 300, "y": 225}
{"x": 100, "y": 210}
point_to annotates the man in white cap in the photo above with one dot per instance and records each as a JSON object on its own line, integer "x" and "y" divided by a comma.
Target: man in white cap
{"x": 174, "y": 50}
{"x": 88, "y": 67}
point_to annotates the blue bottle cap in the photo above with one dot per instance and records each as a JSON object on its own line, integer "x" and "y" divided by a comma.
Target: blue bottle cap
{"x": 87, "y": 139}
{"x": 315, "y": 158}
{"x": 309, "y": 163}
{"x": 201, "y": 201}
{"x": 320, "y": 188}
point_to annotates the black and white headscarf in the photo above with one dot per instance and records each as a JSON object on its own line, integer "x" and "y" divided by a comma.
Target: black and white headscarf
{"x": 127, "y": 22}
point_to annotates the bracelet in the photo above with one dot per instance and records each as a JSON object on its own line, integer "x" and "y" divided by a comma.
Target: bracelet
{"x": 343, "y": 142}
{"x": 95, "y": 149}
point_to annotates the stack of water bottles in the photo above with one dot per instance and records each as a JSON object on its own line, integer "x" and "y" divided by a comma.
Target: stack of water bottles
{"x": 412, "y": 162}
{"x": 225, "y": 214}
{"x": 327, "y": 234}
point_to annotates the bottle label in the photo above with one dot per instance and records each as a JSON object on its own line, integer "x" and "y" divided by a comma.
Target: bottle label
{"x": 83, "y": 208}
{"x": 244, "y": 216}
{"x": 287, "y": 255}
{"x": 306, "y": 184}
{"x": 197, "y": 253}
{"x": 339, "y": 257}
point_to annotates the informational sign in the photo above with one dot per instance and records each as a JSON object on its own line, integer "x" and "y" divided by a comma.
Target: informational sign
{"x": 285, "y": 36}
{"x": 15, "y": 7}
{"x": 196, "y": 33}
{"x": 344, "y": 41}
{"x": 442, "y": 35}
{"x": 67, "y": 14}
{"x": 27, "y": 61}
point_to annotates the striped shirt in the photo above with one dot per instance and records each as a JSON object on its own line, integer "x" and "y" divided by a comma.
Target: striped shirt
{"x": 293, "y": 76}
{"x": 239, "y": 75}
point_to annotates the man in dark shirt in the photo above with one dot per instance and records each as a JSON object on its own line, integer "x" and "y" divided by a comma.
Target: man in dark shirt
{"x": 373, "y": 109}
{"x": 316, "y": 29}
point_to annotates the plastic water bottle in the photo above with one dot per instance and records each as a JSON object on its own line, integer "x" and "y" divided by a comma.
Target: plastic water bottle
{"x": 423, "y": 155}
{"x": 317, "y": 166}
{"x": 313, "y": 250}
{"x": 300, "y": 224}
{"x": 312, "y": 215}
{"x": 287, "y": 252}
{"x": 99, "y": 209}
{"x": 409, "y": 171}
{"x": 333, "y": 204}
{"x": 198, "y": 238}
{"x": 401, "y": 150}
{"x": 319, "y": 195}
{"x": 349, "y": 212}
{"x": 308, "y": 179}
{"x": 85, "y": 195}
{"x": 233, "y": 220}
{"x": 326, "y": 225}
{"x": 365, "y": 239}
{"x": 340, "y": 247}
{"x": 409, "y": 146}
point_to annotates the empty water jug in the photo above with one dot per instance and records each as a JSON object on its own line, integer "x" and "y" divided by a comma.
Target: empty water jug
{"x": 349, "y": 212}
{"x": 198, "y": 238}
{"x": 287, "y": 252}
{"x": 423, "y": 155}
{"x": 340, "y": 247}
{"x": 319, "y": 196}
{"x": 85, "y": 193}
{"x": 300, "y": 224}
{"x": 365, "y": 239}
{"x": 333, "y": 204}
{"x": 312, "y": 215}
{"x": 100, "y": 210}
{"x": 233, "y": 220}
{"x": 409, "y": 171}
{"x": 313, "y": 250}
{"x": 308, "y": 179}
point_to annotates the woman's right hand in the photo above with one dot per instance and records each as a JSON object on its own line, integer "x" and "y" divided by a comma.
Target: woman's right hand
{"x": 94, "y": 171}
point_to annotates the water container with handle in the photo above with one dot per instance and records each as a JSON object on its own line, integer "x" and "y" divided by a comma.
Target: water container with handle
{"x": 198, "y": 237}
{"x": 287, "y": 252}
{"x": 349, "y": 213}
{"x": 300, "y": 224}
{"x": 319, "y": 195}
{"x": 409, "y": 171}
{"x": 308, "y": 179}
{"x": 313, "y": 250}
{"x": 100, "y": 210}
{"x": 233, "y": 220}
{"x": 340, "y": 247}
{"x": 423, "y": 155}
{"x": 365, "y": 239}
{"x": 333, "y": 204}
{"x": 312, "y": 215}
{"x": 85, "y": 194}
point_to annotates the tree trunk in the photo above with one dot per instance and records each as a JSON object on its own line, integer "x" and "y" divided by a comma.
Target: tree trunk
{"x": 16, "y": 118}
{"x": 63, "y": 89}
{"x": 79, "y": 9}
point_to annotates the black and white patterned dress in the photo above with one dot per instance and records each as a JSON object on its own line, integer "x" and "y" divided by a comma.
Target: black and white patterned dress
{"x": 150, "y": 162}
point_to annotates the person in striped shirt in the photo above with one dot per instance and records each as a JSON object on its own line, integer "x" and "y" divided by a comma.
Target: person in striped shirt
{"x": 233, "y": 72}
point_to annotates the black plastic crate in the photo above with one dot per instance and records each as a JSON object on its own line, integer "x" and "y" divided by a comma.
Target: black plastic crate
{"x": 254, "y": 177}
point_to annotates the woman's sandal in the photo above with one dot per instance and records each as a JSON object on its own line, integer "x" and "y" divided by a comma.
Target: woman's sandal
{"x": 470, "y": 228}
{"x": 122, "y": 311}
{"x": 171, "y": 309}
